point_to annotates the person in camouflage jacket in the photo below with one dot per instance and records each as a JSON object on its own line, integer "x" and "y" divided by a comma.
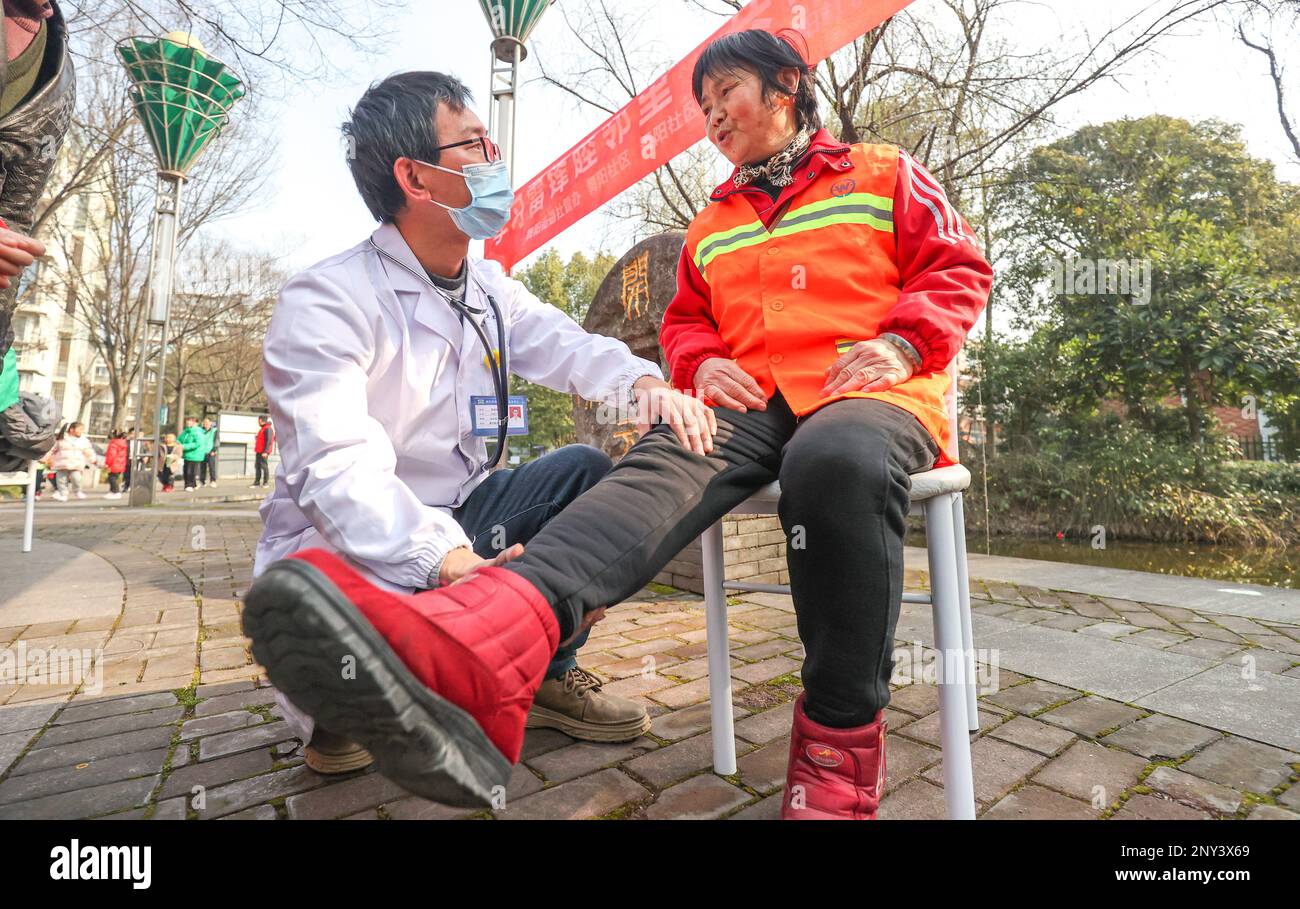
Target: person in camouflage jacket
{"x": 37, "y": 93}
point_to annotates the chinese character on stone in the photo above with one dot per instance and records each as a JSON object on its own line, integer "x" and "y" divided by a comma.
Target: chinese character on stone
{"x": 636, "y": 285}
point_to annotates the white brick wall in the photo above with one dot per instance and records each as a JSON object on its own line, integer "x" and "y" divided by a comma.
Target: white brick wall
{"x": 753, "y": 547}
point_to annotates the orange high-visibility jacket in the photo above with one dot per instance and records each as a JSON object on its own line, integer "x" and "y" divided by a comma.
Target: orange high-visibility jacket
{"x": 862, "y": 243}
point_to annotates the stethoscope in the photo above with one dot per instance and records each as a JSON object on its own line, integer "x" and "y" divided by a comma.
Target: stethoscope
{"x": 500, "y": 371}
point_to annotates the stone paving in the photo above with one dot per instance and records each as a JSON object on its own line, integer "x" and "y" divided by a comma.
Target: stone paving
{"x": 186, "y": 727}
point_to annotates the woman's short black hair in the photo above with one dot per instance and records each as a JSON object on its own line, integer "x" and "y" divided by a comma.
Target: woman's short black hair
{"x": 764, "y": 54}
{"x": 394, "y": 119}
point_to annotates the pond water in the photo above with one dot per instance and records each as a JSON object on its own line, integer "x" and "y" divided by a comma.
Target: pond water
{"x": 1273, "y": 567}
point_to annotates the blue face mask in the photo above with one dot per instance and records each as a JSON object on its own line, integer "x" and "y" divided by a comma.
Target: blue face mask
{"x": 489, "y": 202}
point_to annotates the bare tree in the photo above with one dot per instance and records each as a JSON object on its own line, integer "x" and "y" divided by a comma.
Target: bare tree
{"x": 284, "y": 41}
{"x": 219, "y": 322}
{"x": 85, "y": 376}
{"x": 953, "y": 82}
{"x": 1264, "y": 26}
{"x": 112, "y": 175}
{"x": 956, "y": 82}
{"x": 604, "y": 71}
{"x": 225, "y": 362}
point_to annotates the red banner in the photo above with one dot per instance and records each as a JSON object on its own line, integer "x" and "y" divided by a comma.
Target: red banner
{"x": 660, "y": 123}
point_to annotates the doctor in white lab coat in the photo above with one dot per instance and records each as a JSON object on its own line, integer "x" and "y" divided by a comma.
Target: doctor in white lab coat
{"x": 370, "y": 365}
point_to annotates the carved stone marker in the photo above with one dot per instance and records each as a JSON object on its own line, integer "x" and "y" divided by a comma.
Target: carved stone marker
{"x": 629, "y": 305}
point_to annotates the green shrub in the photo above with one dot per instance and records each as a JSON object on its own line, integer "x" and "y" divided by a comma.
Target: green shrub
{"x": 1274, "y": 477}
{"x": 1137, "y": 485}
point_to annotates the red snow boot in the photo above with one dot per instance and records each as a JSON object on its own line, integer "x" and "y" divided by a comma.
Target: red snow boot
{"x": 834, "y": 774}
{"x": 436, "y": 685}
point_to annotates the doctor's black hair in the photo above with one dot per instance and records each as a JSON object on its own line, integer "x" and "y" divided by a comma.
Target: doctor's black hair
{"x": 394, "y": 119}
{"x": 764, "y": 54}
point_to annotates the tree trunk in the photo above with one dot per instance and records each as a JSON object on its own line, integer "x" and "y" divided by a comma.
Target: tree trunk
{"x": 990, "y": 441}
{"x": 1192, "y": 409}
{"x": 180, "y": 407}
{"x": 1192, "y": 406}
{"x": 115, "y": 389}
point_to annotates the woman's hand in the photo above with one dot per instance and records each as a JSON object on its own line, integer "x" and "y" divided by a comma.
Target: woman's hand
{"x": 868, "y": 366}
{"x": 728, "y": 385}
{"x": 17, "y": 251}
{"x": 690, "y": 419}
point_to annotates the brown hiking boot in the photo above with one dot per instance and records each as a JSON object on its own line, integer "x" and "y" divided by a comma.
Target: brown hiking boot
{"x": 575, "y": 705}
{"x": 329, "y": 753}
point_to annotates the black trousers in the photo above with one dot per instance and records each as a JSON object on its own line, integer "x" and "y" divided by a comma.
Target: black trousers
{"x": 261, "y": 469}
{"x": 208, "y": 469}
{"x": 191, "y": 472}
{"x": 511, "y": 506}
{"x": 844, "y": 500}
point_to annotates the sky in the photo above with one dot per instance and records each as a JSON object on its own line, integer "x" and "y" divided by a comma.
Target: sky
{"x": 310, "y": 208}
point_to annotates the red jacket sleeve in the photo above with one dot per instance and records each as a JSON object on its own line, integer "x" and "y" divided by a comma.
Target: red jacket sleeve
{"x": 944, "y": 276}
{"x": 689, "y": 335}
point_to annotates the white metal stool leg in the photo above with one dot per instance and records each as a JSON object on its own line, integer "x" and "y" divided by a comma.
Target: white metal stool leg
{"x": 958, "y": 783}
{"x": 963, "y": 594}
{"x": 30, "y": 515}
{"x": 715, "y": 618}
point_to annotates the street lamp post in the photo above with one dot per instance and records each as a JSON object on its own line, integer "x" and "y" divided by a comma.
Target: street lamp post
{"x": 183, "y": 97}
{"x": 511, "y": 21}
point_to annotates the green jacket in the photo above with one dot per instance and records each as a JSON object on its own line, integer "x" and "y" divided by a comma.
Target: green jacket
{"x": 209, "y": 439}
{"x": 8, "y": 379}
{"x": 194, "y": 441}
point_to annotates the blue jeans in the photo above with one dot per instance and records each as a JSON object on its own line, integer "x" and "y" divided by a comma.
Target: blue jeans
{"x": 510, "y": 506}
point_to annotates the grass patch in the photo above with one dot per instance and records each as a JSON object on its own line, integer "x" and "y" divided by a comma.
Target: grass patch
{"x": 623, "y": 812}
{"x": 187, "y": 698}
{"x": 663, "y": 589}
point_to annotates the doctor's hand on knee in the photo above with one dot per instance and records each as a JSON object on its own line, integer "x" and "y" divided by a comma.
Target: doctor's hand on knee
{"x": 690, "y": 419}
{"x": 462, "y": 562}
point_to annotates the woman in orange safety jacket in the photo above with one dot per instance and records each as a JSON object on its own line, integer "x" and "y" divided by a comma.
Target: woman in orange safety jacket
{"x": 822, "y": 294}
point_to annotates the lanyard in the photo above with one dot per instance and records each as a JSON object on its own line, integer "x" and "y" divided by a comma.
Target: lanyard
{"x": 499, "y": 369}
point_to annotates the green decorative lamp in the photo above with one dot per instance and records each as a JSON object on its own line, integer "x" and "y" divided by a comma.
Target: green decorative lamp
{"x": 511, "y": 21}
{"x": 183, "y": 97}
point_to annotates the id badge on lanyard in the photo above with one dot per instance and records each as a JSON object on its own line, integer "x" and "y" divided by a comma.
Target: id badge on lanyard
{"x": 483, "y": 413}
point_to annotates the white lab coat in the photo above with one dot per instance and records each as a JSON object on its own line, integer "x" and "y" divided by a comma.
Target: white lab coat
{"x": 369, "y": 372}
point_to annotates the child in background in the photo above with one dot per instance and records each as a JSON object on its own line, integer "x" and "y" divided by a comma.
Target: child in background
{"x": 115, "y": 462}
{"x": 72, "y": 454}
{"x": 172, "y": 455}
{"x": 47, "y": 473}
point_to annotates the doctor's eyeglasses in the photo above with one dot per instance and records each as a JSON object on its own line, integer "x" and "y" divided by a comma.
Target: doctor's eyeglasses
{"x": 491, "y": 151}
